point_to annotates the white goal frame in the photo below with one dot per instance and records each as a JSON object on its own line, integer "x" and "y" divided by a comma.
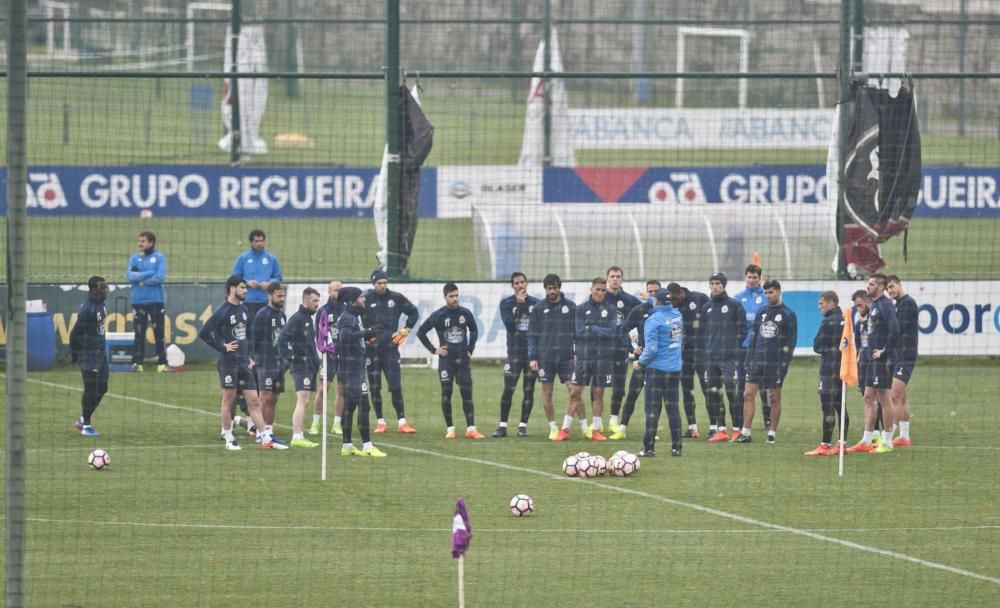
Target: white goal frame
{"x": 744, "y": 37}
{"x": 189, "y": 38}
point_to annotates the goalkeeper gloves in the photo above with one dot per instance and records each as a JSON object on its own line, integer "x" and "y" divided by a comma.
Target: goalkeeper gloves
{"x": 399, "y": 337}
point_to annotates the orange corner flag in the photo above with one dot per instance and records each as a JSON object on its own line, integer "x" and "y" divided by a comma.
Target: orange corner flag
{"x": 849, "y": 352}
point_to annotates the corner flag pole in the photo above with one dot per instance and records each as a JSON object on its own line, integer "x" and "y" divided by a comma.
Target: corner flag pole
{"x": 842, "y": 444}
{"x": 461, "y": 581}
{"x": 323, "y": 427}
{"x": 848, "y": 377}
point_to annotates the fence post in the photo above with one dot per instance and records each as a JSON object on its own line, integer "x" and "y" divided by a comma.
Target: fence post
{"x": 393, "y": 137}
{"x": 236, "y": 142}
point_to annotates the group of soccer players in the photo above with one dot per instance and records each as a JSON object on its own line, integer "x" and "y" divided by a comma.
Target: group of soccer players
{"x": 737, "y": 347}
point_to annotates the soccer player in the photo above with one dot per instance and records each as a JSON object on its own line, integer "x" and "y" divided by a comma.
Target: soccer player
{"x": 623, "y": 303}
{"x": 87, "y": 348}
{"x": 906, "y": 356}
{"x": 326, "y": 342}
{"x": 551, "y": 333}
{"x": 725, "y": 328}
{"x": 297, "y": 341}
{"x": 229, "y": 333}
{"x": 752, "y": 299}
{"x": 351, "y": 364}
{"x": 636, "y": 320}
{"x": 146, "y": 272}
{"x": 515, "y": 312}
{"x": 259, "y": 268}
{"x": 456, "y": 333}
{"x": 827, "y": 345}
{"x": 883, "y": 335}
{"x": 769, "y": 354}
{"x": 690, "y": 304}
{"x": 268, "y": 362}
{"x": 596, "y": 339}
{"x": 383, "y": 309}
{"x": 662, "y": 358}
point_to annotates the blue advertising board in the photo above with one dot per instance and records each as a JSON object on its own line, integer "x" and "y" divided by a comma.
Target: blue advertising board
{"x": 180, "y": 190}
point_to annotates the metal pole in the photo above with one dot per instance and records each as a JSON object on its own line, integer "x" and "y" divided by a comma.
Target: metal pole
{"x": 17, "y": 359}
{"x": 963, "y": 32}
{"x": 393, "y": 137}
{"x": 547, "y": 84}
{"x": 858, "y": 35}
{"x": 235, "y": 142}
{"x": 844, "y": 107}
{"x": 291, "y": 64}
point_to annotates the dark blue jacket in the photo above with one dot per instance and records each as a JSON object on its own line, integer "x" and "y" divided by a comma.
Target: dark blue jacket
{"x": 385, "y": 310}
{"x": 725, "y": 327}
{"x": 623, "y": 302}
{"x": 664, "y": 330}
{"x": 351, "y": 335}
{"x": 456, "y": 330}
{"x": 257, "y": 266}
{"x": 299, "y": 339}
{"x": 636, "y": 319}
{"x": 146, "y": 273}
{"x": 597, "y": 334}
{"x": 694, "y": 326}
{"x": 517, "y": 319}
{"x": 906, "y": 314}
{"x": 552, "y": 330}
{"x": 86, "y": 339}
{"x": 860, "y": 336}
{"x": 228, "y": 323}
{"x": 827, "y": 343}
{"x": 266, "y": 327}
{"x": 883, "y": 327}
{"x": 775, "y": 330}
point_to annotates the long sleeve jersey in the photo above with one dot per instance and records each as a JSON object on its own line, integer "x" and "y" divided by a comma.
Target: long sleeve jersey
{"x": 883, "y": 327}
{"x": 260, "y": 266}
{"x": 228, "y": 324}
{"x": 664, "y": 330}
{"x": 385, "y": 310}
{"x": 266, "y": 328}
{"x": 86, "y": 339}
{"x": 456, "y": 330}
{"x": 827, "y": 342}
{"x": 775, "y": 330}
{"x": 622, "y": 302}
{"x": 517, "y": 320}
{"x": 596, "y": 330}
{"x": 552, "y": 330}
{"x": 298, "y": 338}
{"x": 146, "y": 273}
{"x": 906, "y": 314}
{"x": 636, "y": 319}
{"x": 725, "y": 326}
{"x": 694, "y": 327}
{"x": 351, "y": 335}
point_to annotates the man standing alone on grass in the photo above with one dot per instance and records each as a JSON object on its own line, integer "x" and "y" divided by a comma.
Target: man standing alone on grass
{"x": 551, "y": 334}
{"x": 827, "y": 345}
{"x": 146, "y": 272}
{"x": 769, "y": 354}
{"x": 906, "y": 356}
{"x": 515, "y": 312}
{"x": 457, "y": 333}
{"x": 229, "y": 332}
{"x": 87, "y": 348}
{"x": 297, "y": 341}
{"x": 352, "y": 334}
{"x": 383, "y": 309}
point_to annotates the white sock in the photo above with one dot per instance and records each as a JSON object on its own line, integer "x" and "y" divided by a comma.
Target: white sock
{"x": 567, "y": 422}
{"x": 402, "y": 421}
{"x": 713, "y": 427}
{"x": 317, "y": 418}
{"x": 469, "y": 429}
{"x": 294, "y": 435}
{"x": 772, "y": 433}
{"x": 270, "y": 429}
{"x": 583, "y": 426}
{"x": 722, "y": 429}
{"x": 366, "y": 445}
{"x": 451, "y": 429}
{"x": 887, "y": 438}
{"x": 503, "y": 425}
{"x": 598, "y": 424}
{"x": 692, "y": 427}
{"x": 348, "y": 446}
{"x": 613, "y": 421}
{"x": 552, "y": 425}
{"x": 381, "y": 420}
{"x": 867, "y": 438}
{"x": 904, "y": 429}
{"x": 229, "y": 436}
{"x": 622, "y": 428}
{"x": 336, "y": 419}
{"x": 746, "y": 431}
{"x": 522, "y": 425}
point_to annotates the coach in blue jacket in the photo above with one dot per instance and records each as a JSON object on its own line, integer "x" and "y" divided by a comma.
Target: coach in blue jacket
{"x": 662, "y": 358}
{"x": 259, "y": 268}
{"x": 146, "y": 272}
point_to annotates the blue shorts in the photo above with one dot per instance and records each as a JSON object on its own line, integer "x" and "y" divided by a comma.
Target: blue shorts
{"x": 514, "y": 367}
{"x": 550, "y": 369}
{"x": 765, "y": 375}
{"x": 592, "y": 373}
{"x": 878, "y": 374}
{"x": 304, "y": 378}
{"x": 236, "y": 375}
{"x": 455, "y": 367}
{"x": 902, "y": 370}
{"x": 272, "y": 380}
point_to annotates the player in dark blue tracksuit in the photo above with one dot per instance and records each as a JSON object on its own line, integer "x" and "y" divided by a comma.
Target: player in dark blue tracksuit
{"x": 905, "y": 359}
{"x": 515, "y": 312}
{"x": 326, "y": 343}
{"x": 827, "y": 345}
{"x": 551, "y": 334}
{"x": 352, "y": 370}
{"x": 623, "y": 303}
{"x": 690, "y": 304}
{"x": 636, "y": 320}
{"x": 384, "y": 308}
{"x": 298, "y": 338}
{"x": 725, "y": 328}
{"x": 768, "y": 356}
{"x": 268, "y": 363}
{"x": 230, "y": 333}
{"x": 662, "y": 358}
{"x": 87, "y": 349}
{"x": 457, "y": 332}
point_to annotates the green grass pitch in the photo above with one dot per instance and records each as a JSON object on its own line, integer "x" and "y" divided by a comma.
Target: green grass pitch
{"x": 177, "y": 520}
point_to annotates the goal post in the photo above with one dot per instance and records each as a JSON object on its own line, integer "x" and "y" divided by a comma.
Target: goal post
{"x": 685, "y": 32}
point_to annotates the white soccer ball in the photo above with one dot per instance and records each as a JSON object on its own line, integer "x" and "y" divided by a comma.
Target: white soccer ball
{"x": 98, "y": 459}
{"x": 582, "y": 455}
{"x": 629, "y": 464}
{"x": 522, "y": 505}
{"x": 571, "y": 466}
{"x": 586, "y": 467}
{"x": 619, "y": 453}
{"x": 600, "y": 463}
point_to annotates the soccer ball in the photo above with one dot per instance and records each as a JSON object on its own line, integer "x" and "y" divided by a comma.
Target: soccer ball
{"x": 619, "y": 454}
{"x": 571, "y": 466}
{"x": 522, "y": 505}
{"x": 624, "y": 465}
{"x": 586, "y": 468}
{"x": 98, "y": 459}
{"x": 600, "y": 463}
{"x": 582, "y": 455}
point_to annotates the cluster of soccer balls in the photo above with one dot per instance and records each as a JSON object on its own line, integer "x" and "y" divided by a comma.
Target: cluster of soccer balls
{"x": 98, "y": 459}
{"x": 584, "y": 464}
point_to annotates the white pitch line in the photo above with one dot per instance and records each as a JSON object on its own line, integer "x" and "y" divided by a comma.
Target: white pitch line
{"x": 119, "y": 448}
{"x": 519, "y": 530}
{"x": 663, "y": 499}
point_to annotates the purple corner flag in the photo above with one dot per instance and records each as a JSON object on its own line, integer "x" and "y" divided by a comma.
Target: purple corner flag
{"x": 461, "y": 530}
